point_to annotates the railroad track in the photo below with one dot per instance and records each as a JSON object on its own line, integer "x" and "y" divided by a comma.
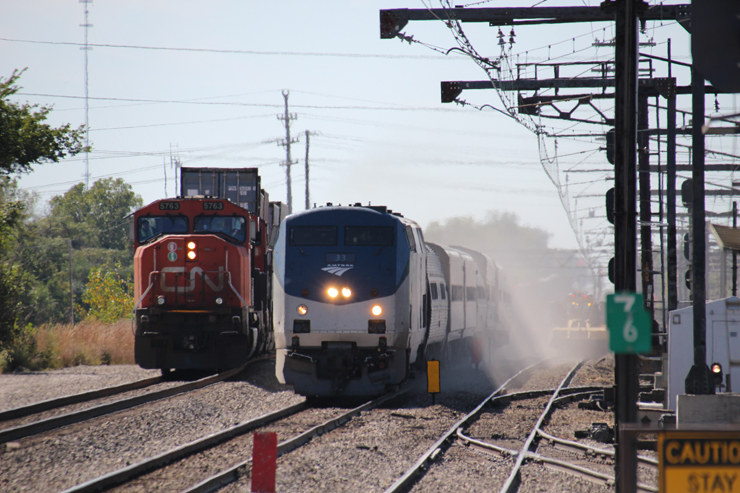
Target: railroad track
{"x": 527, "y": 453}
{"x": 46, "y": 424}
{"x": 211, "y": 442}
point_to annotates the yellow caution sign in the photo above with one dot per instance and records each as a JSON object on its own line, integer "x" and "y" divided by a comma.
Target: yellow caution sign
{"x": 433, "y": 376}
{"x": 699, "y": 461}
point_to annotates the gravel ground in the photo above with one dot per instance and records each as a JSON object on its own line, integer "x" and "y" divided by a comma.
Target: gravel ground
{"x": 22, "y": 389}
{"x": 74, "y": 454}
{"x": 367, "y": 454}
{"x": 371, "y": 451}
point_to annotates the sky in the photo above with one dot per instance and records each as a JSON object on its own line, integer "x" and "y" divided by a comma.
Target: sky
{"x": 202, "y": 83}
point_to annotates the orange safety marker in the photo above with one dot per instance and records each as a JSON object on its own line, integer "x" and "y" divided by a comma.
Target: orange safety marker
{"x": 264, "y": 462}
{"x": 433, "y": 386}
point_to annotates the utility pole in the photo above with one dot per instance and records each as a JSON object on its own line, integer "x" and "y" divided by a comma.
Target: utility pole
{"x": 699, "y": 379}
{"x": 287, "y": 118}
{"x": 71, "y": 293}
{"x": 308, "y": 191}
{"x": 734, "y": 252}
{"x": 86, "y": 49}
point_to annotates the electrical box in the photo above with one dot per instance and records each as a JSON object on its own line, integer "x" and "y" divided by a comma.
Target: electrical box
{"x": 722, "y": 343}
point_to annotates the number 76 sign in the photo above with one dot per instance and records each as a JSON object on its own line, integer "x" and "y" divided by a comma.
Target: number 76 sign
{"x": 629, "y": 323}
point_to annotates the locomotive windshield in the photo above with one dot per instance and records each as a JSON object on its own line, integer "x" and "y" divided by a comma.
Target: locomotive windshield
{"x": 368, "y": 236}
{"x": 150, "y": 226}
{"x": 313, "y": 235}
{"x": 232, "y": 226}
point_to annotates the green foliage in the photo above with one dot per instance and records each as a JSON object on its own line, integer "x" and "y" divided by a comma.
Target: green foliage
{"x": 108, "y": 295}
{"x": 26, "y": 139}
{"x": 94, "y": 217}
{"x": 23, "y": 352}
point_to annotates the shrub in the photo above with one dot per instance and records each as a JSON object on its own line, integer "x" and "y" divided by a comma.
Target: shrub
{"x": 108, "y": 295}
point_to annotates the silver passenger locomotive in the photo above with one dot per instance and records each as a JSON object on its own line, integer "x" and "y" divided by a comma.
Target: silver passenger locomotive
{"x": 359, "y": 297}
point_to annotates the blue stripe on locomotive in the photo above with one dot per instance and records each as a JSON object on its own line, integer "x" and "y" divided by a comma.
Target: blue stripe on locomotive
{"x": 374, "y": 267}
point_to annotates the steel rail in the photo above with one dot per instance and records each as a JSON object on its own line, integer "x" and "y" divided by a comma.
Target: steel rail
{"x": 583, "y": 472}
{"x": 445, "y": 440}
{"x": 29, "y": 429}
{"x": 135, "y": 470}
{"x": 568, "y": 444}
{"x": 234, "y": 473}
{"x": 38, "y": 407}
{"x": 563, "y": 466}
{"x": 512, "y": 482}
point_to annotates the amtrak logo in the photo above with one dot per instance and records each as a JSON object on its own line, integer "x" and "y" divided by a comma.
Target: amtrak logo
{"x": 337, "y": 269}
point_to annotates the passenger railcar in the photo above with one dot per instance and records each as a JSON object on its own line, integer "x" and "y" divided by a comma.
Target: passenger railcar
{"x": 201, "y": 276}
{"x": 359, "y": 297}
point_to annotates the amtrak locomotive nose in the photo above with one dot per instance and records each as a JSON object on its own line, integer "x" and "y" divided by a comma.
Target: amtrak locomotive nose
{"x": 337, "y": 274}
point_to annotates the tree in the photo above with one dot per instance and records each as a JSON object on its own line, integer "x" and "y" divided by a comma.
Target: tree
{"x": 25, "y": 139}
{"x": 108, "y": 294}
{"x": 95, "y": 217}
{"x": 15, "y": 283}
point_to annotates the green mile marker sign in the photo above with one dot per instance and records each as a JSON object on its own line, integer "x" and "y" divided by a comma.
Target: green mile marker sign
{"x": 629, "y": 323}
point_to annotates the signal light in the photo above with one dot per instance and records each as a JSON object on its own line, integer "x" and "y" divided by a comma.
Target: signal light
{"x": 346, "y": 292}
{"x": 717, "y": 372}
{"x": 332, "y": 292}
{"x": 610, "y": 205}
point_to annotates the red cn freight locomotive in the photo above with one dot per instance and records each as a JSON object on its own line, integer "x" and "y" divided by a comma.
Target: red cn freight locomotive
{"x": 202, "y": 271}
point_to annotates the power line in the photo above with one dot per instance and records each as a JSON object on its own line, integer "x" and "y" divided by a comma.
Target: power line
{"x": 237, "y": 52}
{"x": 260, "y": 105}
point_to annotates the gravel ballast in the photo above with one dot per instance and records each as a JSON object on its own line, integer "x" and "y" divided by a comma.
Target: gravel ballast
{"x": 368, "y": 453}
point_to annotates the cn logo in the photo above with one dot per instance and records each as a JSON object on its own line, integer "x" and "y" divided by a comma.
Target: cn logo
{"x": 191, "y": 287}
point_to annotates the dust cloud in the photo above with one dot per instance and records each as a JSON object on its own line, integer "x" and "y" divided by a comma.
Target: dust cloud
{"x": 540, "y": 280}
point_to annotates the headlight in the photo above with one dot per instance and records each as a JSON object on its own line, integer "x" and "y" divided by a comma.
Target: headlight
{"x": 333, "y": 292}
{"x": 219, "y": 301}
{"x": 377, "y": 310}
{"x": 346, "y": 292}
{"x": 161, "y": 299}
{"x": 191, "y": 245}
{"x": 302, "y": 309}
{"x": 191, "y": 254}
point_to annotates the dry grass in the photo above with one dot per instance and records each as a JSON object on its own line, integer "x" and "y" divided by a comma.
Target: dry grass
{"x": 89, "y": 343}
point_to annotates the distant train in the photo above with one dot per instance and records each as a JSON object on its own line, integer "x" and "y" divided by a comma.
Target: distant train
{"x": 202, "y": 272}
{"x": 359, "y": 297}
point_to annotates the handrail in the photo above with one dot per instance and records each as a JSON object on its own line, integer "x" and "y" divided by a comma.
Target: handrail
{"x": 151, "y": 284}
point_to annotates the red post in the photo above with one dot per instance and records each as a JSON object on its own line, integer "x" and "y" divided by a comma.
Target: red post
{"x": 264, "y": 462}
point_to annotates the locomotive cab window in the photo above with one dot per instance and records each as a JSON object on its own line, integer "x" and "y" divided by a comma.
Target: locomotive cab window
{"x": 234, "y": 227}
{"x": 148, "y": 227}
{"x": 410, "y": 238}
{"x": 368, "y": 236}
{"x": 313, "y": 236}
